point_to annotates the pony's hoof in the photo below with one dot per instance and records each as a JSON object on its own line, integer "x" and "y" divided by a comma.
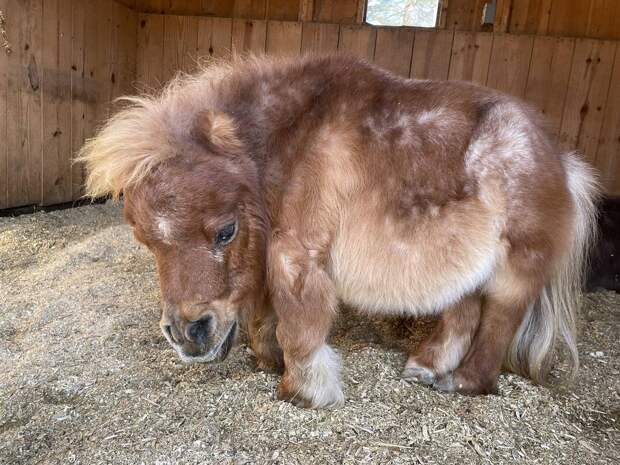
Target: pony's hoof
{"x": 445, "y": 383}
{"x": 455, "y": 382}
{"x": 295, "y": 399}
{"x": 270, "y": 365}
{"x": 330, "y": 398}
{"x": 420, "y": 375}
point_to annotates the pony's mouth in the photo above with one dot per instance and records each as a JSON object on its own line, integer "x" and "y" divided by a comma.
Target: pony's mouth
{"x": 227, "y": 342}
{"x": 217, "y": 353}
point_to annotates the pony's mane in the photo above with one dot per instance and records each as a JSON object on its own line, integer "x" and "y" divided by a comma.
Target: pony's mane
{"x": 138, "y": 138}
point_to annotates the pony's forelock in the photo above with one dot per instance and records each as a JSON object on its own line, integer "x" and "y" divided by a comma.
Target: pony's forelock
{"x": 145, "y": 133}
{"x": 126, "y": 149}
{"x": 133, "y": 142}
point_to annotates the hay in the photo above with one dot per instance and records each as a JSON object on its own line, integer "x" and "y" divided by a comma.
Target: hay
{"x": 86, "y": 377}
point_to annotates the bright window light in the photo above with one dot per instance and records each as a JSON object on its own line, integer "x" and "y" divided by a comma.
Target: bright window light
{"x": 420, "y": 13}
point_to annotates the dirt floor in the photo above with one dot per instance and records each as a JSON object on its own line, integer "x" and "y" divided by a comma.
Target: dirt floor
{"x": 87, "y": 377}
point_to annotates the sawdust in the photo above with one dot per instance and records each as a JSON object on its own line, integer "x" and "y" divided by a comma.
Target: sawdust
{"x": 86, "y": 377}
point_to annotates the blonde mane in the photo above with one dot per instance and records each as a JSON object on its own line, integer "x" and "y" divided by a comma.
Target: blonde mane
{"x": 134, "y": 141}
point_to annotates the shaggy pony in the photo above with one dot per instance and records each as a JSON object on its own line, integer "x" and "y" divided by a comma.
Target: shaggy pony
{"x": 270, "y": 190}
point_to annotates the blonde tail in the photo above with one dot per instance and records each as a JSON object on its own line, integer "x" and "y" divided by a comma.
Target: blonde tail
{"x": 554, "y": 314}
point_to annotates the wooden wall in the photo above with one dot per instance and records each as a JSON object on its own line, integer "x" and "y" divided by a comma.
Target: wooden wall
{"x": 67, "y": 60}
{"x": 70, "y": 58}
{"x": 575, "y": 82}
{"x": 338, "y": 11}
{"x": 574, "y": 18}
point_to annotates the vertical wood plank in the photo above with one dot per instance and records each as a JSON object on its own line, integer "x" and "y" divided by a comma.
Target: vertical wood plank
{"x": 61, "y": 93}
{"x": 502, "y": 15}
{"x": 528, "y": 16}
{"x": 189, "y": 50}
{"x": 16, "y": 189}
{"x": 78, "y": 93}
{"x": 510, "y": 61}
{"x": 114, "y": 69}
{"x": 432, "y": 50}
{"x": 4, "y": 145}
{"x": 547, "y": 81}
{"x": 394, "y": 48}
{"x": 123, "y": 70}
{"x": 32, "y": 112}
{"x": 320, "y": 38}
{"x": 129, "y": 46}
{"x": 569, "y": 17}
{"x": 306, "y": 10}
{"x": 249, "y": 36}
{"x": 65, "y": 95}
{"x": 173, "y": 45}
{"x": 150, "y": 51}
{"x": 284, "y": 10}
{"x": 604, "y": 19}
{"x": 204, "y": 49}
{"x": 91, "y": 62}
{"x": 214, "y": 37}
{"x": 471, "y": 55}
{"x": 104, "y": 58}
{"x": 588, "y": 87}
{"x": 461, "y": 15}
{"x": 283, "y": 38}
{"x": 50, "y": 157}
{"x": 545, "y": 16}
{"x": 336, "y": 11}
{"x": 23, "y": 97}
{"x": 608, "y": 150}
{"x": 221, "y": 42}
{"x": 442, "y": 14}
{"x": 358, "y": 40}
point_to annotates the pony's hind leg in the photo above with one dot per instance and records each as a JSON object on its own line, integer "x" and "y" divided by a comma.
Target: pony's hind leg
{"x": 446, "y": 346}
{"x": 504, "y": 307}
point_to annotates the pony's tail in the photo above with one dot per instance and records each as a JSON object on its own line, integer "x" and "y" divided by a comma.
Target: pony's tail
{"x": 554, "y": 313}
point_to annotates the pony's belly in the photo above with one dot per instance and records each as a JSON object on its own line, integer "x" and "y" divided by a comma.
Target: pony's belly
{"x": 381, "y": 264}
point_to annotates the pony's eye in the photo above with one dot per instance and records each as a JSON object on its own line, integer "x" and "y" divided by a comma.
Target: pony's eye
{"x": 226, "y": 234}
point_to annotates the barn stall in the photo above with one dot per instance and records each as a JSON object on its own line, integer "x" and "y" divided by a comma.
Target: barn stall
{"x": 87, "y": 376}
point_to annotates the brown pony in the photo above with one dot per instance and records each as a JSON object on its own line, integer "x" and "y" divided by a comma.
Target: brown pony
{"x": 269, "y": 190}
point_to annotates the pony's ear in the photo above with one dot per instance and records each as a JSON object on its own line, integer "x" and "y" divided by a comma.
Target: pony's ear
{"x": 218, "y": 130}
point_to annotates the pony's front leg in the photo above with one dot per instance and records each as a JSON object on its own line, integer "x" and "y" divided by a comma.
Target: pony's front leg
{"x": 305, "y": 301}
{"x": 262, "y": 335}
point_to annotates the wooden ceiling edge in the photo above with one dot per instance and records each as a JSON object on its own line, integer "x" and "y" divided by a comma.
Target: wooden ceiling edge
{"x": 131, "y": 4}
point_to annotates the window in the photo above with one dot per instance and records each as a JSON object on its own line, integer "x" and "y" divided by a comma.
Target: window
{"x": 421, "y": 13}
{"x": 488, "y": 13}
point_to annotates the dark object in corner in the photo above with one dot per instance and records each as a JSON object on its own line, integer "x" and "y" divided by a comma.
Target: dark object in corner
{"x": 604, "y": 269}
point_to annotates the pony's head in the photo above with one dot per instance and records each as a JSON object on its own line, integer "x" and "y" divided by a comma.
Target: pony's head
{"x": 191, "y": 195}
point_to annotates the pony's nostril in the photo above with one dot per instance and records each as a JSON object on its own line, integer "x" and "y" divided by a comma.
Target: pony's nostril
{"x": 198, "y": 331}
{"x": 168, "y": 332}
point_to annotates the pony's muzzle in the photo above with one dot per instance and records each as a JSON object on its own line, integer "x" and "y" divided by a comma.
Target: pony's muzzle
{"x": 201, "y": 340}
